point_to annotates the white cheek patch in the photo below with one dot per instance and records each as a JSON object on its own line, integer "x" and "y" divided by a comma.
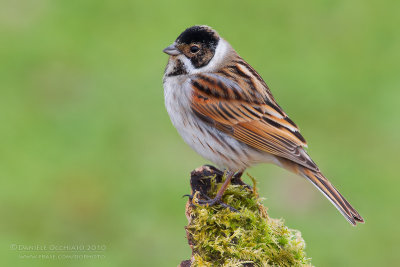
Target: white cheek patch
{"x": 219, "y": 56}
{"x": 188, "y": 64}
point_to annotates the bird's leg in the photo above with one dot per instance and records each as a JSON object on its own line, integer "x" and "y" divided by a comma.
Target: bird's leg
{"x": 237, "y": 179}
{"x": 217, "y": 199}
{"x": 224, "y": 186}
{"x": 200, "y": 188}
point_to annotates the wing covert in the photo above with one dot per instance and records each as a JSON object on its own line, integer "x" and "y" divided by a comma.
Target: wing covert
{"x": 244, "y": 110}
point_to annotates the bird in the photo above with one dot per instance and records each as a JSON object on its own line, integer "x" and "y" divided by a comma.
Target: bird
{"x": 225, "y": 111}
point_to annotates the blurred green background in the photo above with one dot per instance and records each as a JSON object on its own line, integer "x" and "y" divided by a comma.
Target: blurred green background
{"x": 89, "y": 156}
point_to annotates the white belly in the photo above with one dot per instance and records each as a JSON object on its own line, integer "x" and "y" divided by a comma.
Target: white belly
{"x": 216, "y": 146}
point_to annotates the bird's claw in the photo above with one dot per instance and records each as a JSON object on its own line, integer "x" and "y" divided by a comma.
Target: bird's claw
{"x": 208, "y": 202}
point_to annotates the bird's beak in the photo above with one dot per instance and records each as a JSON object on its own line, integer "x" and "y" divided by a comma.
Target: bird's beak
{"x": 171, "y": 50}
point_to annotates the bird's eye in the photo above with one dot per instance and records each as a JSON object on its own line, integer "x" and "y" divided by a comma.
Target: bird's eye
{"x": 194, "y": 49}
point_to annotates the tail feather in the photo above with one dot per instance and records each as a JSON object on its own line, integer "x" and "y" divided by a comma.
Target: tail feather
{"x": 323, "y": 184}
{"x": 333, "y": 195}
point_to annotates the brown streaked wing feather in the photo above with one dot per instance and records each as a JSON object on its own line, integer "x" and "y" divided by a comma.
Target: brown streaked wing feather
{"x": 247, "y": 113}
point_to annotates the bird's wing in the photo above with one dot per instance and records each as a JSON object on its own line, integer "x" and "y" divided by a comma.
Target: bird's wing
{"x": 237, "y": 102}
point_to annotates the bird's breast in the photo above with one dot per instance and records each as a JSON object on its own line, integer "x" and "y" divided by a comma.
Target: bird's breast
{"x": 212, "y": 144}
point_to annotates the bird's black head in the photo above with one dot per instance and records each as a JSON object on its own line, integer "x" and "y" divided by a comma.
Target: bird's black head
{"x": 197, "y": 43}
{"x": 199, "y": 35}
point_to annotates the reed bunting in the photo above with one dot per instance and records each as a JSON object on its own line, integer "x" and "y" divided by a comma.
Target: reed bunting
{"x": 225, "y": 111}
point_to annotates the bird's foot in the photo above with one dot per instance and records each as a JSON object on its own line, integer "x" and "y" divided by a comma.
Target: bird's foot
{"x": 208, "y": 202}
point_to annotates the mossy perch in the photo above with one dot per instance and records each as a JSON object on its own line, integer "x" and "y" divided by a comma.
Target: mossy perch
{"x": 221, "y": 237}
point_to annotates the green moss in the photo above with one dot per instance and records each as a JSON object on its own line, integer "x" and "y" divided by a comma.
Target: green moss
{"x": 221, "y": 237}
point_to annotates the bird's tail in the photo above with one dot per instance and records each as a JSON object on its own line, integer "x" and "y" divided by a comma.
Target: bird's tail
{"x": 323, "y": 184}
